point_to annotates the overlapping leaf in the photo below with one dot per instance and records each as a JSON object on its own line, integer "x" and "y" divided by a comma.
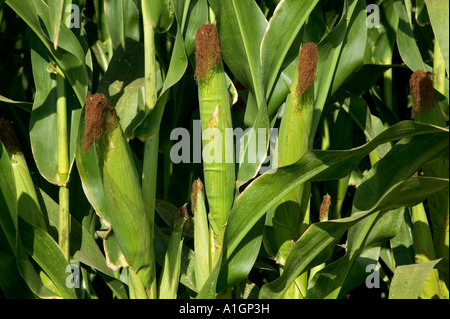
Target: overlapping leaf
{"x": 312, "y": 166}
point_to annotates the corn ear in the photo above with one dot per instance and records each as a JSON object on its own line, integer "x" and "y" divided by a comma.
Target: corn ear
{"x": 201, "y": 235}
{"x": 111, "y": 184}
{"x": 291, "y": 217}
{"x": 170, "y": 275}
{"x": 215, "y": 115}
{"x": 27, "y": 200}
{"x": 425, "y": 109}
{"x": 293, "y": 141}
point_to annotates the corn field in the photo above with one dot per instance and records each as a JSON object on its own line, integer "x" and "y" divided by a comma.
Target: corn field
{"x": 224, "y": 149}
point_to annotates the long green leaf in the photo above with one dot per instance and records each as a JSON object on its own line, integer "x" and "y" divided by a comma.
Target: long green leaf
{"x": 406, "y": 42}
{"x": 409, "y": 279}
{"x": 439, "y": 16}
{"x": 23, "y": 105}
{"x": 43, "y": 123}
{"x": 11, "y": 281}
{"x": 122, "y": 18}
{"x": 111, "y": 184}
{"x": 353, "y": 46}
{"x": 70, "y": 56}
{"x": 241, "y": 26}
{"x": 8, "y": 199}
{"x": 83, "y": 246}
{"x": 284, "y": 25}
{"x": 55, "y": 13}
{"x": 318, "y": 165}
{"x": 17, "y": 265}
{"x": 329, "y": 50}
{"x": 46, "y": 252}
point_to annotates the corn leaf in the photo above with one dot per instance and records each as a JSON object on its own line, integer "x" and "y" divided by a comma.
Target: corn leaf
{"x": 439, "y": 16}
{"x": 408, "y": 280}
{"x": 406, "y": 42}
{"x": 352, "y": 46}
{"x": 319, "y": 234}
{"x": 112, "y": 186}
{"x": 241, "y": 27}
{"x": 283, "y": 27}
{"x": 46, "y": 252}
{"x": 55, "y": 14}
{"x": 83, "y": 246}
{"x": 122, "y": 18}
{"x": 43, "y": 126}
{"x": 71, "y": 54}
{"x": 172, "y": 262}
{"x": 23, "y": 105}
{"x": 11, "y": 280}
{"x": 329, "y": 50}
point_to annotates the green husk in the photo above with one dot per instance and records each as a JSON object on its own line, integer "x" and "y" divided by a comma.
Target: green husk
{"x": 291, "y": 217}
{"x": 170, "y": 276}
{"x": 28, "y": 204}
{"x": 112, "y": 186}
{"x": 426, "y": 110}
{"x": 201, "y": 234}
{"x": 215, "y": 115}
{"x": 293, "y": 142}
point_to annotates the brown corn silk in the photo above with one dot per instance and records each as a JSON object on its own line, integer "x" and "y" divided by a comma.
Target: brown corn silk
{"x": 197, "y": 187}
{"x": 307, "y": 65}
{"x": 182, "y": 214}
{"x": 100, "y": 119}
{"x": 422, "y": 91}
{"x": 207, "y": 52}
{"x": 324, "y": 208}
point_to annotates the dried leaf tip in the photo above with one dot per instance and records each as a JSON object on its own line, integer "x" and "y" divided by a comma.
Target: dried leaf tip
{"x": 8, "y": 137}
{"x": 100, "y": 119}
{"x": 422, "y": 91}
{"x": 197, "y": 187}
{"x": 324, "y": 208}
{"x": 207, "y": 50}
{"x": 182, "y": 215}
{"x": 307, "y": 65}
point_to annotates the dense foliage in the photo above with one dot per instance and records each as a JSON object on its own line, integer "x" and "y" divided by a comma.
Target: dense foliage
{"x": 117, "y": 179}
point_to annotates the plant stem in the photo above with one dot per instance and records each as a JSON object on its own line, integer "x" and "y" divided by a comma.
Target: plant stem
{"x": 150, "y": 161}
{"x": 63, "y": 165}
{"x": 149, "y": 179}
{"x": 150, "y": 59}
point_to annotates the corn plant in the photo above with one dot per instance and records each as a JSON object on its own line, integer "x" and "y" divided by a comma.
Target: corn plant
{"x": 181, "y": 149}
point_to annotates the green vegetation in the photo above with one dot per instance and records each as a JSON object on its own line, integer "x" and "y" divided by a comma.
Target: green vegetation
{"x": 354, "y": 203}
